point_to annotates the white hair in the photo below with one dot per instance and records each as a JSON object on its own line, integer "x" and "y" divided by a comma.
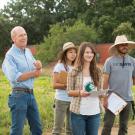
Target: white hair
{"x": 14, "y": 31}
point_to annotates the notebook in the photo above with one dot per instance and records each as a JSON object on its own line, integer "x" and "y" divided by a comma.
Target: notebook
{"x": 115, "y": 103}
{"x": 63, "y": 77}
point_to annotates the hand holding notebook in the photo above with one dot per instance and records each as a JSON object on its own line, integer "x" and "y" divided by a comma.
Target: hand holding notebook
{"x": 63, "y": 77}
{"x": 115, "y": 103}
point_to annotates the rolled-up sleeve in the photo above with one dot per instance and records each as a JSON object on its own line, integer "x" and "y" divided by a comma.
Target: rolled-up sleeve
{"x": 9, "y": 68}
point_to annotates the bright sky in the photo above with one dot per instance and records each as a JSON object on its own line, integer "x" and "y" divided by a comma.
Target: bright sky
{"x": 2, "y": 3}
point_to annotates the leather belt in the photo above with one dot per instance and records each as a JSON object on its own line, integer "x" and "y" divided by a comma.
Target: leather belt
{"x": 27, "y": 90}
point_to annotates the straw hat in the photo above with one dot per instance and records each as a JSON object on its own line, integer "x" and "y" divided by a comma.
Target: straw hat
{"x": 122, "y": 39}
{"x": 68, "y": 45}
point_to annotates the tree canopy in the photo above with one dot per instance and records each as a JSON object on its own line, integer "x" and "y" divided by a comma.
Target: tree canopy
{"x": 60, "y": 34}
{"x": 107, "y": 17}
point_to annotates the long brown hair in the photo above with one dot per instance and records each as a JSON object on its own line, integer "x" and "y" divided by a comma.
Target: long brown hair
{"x": 94, "y": 70}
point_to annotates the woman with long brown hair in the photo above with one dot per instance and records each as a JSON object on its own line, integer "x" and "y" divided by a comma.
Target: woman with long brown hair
{"x": 85, "y": 109}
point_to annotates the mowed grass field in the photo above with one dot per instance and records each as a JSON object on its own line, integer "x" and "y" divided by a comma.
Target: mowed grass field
{"x": 45, "y": 98}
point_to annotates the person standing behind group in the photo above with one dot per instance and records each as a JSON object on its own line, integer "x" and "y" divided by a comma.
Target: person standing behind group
{"x": 21, "y": 68}
{"x": 119, "y": 76}
{"x": 85, "y": 109}
{"x": 62, "y": 100}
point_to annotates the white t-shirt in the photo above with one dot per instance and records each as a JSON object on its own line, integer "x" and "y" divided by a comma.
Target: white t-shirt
{"x": 89, "y": 105}
{"x": 61, "y": 94}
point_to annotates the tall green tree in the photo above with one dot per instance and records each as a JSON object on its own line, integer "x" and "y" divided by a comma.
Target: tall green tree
{"x": 5, "y": 41}
{"x": 105, "y": 28}
{"x": 59, "y": 34}
{"x": 34, "y": 15}
{"x": 125, "y": 28}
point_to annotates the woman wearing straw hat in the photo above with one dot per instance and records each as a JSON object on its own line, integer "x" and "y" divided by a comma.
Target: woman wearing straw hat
{"x": 62, "y": 100}
{"x": 119, "y": 73}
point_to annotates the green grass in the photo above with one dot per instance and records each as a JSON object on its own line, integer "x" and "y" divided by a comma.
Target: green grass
{"x": 45, "y": 97}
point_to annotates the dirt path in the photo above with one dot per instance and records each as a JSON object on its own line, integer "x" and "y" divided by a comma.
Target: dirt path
{"x": 131, "y": 130}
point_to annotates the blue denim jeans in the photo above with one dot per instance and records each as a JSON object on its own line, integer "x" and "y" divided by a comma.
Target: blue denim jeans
{"x": 23, "y": 105}
{"x": 84, "y": 124}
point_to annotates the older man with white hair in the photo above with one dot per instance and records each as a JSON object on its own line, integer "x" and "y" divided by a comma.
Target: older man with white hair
{"x": 21, "y": 68}
{"x": 119, "y": 76}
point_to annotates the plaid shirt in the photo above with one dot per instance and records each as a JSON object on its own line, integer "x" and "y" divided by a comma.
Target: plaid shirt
{"x": 75, "y": 82}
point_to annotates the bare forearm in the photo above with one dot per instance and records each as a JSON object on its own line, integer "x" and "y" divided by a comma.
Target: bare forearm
{"x": 105, "y": 85}
{"x": 60, "y": 86}
{"x": 105, "y": 81}
{"x": 74, "y": 93}
{"x": 28, "y": 75}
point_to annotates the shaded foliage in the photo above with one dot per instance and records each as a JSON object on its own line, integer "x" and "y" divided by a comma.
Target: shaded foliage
{"x": 36, "y": 16}
{"x": 59, "y": 34}
{"x": 125, "y": 28}
{"x": 5, "y": 41}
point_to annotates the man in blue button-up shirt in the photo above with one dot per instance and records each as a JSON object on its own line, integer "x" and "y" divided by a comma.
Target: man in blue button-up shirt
{"x": 21, "y": 68}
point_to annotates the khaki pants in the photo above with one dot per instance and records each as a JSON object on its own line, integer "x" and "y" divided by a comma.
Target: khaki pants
{"x": 61, "y": 112}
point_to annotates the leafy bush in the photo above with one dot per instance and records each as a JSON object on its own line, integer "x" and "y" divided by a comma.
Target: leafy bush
{"x": 125, "y": 28}
{"x": 61, "y": 33}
